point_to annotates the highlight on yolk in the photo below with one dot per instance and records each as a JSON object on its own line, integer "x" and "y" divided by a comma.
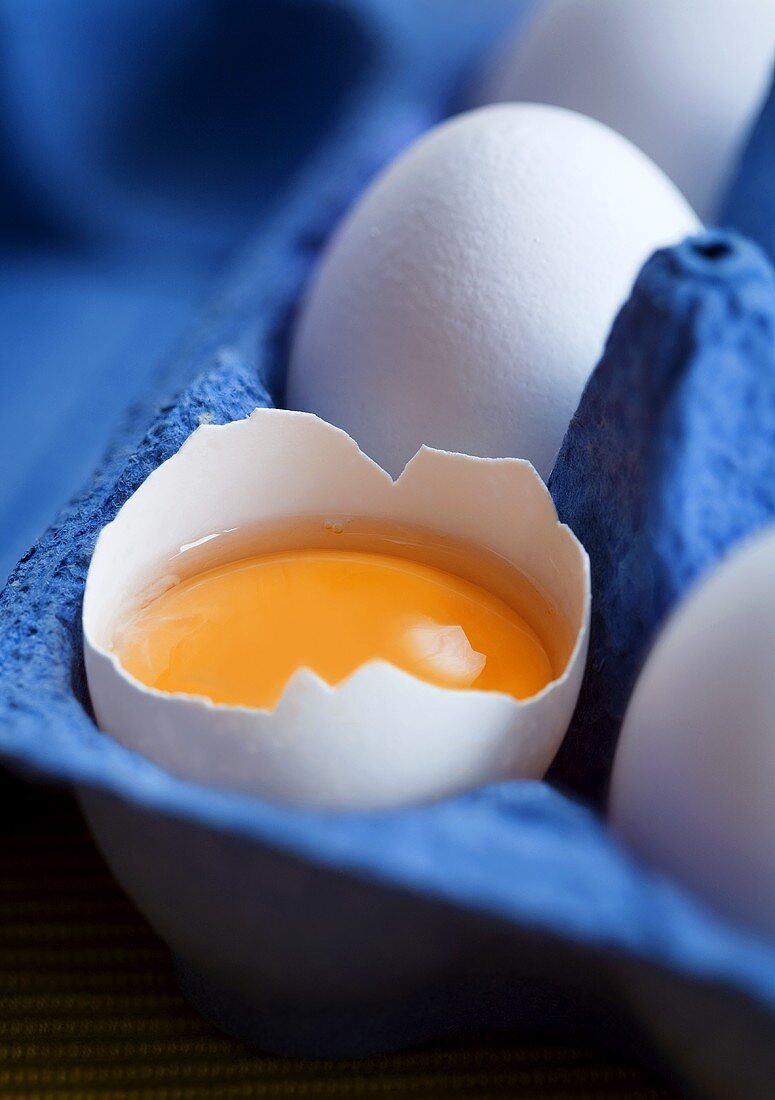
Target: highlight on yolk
{"x": 237, "y": 632}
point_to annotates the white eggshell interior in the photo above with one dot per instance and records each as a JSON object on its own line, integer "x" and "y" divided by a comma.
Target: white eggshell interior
{"x": 694, "y": 776}
{"x": 682, "y": 79}
{"x": 467, "y": 297}
{"x": 382, "y": 738}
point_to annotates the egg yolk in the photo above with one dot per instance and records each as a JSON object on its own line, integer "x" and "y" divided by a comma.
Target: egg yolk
{"x": 237, "y": 633}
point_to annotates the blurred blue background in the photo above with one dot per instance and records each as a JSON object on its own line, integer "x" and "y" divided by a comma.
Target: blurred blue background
{"x": 140, "y": 140}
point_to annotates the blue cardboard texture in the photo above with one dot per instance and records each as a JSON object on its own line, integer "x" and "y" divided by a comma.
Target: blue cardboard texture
{"x": 521, "y": 853}
{"x": 750, "y": 204}
{"x": 668, "y": 462}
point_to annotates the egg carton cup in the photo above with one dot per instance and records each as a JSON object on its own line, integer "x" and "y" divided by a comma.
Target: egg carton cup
{"x": 346, "y": 934}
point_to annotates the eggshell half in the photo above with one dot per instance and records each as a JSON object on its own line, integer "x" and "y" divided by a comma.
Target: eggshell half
{"x": 693, "y": 787}
{"x": 683, "y": 79}
{"x": 382, "y": 738}
{"x": 467, "y": 297}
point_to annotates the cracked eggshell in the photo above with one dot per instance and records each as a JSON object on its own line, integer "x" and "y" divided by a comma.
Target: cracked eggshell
{"x": 467, "y": 297}
{"x": 694, "y": 774}
{"x": 382, "y": 738}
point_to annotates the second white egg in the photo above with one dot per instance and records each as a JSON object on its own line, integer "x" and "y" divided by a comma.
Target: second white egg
{"x": 467, "y": 297}
{"x": 683, "y": 79}
{"x": 694, "y": 774}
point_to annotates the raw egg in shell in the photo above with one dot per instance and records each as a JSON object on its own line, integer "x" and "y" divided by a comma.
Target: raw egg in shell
{"x": 270, "y": 612}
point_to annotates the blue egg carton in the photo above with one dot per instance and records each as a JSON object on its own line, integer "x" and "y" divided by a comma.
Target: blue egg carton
{"x": 347, "y": 934}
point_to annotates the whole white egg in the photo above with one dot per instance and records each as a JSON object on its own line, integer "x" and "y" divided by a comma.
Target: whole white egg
{"x": 693, "y": 787}
{"x": 681, "y": 78}
{"x": 467, "y": 297}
